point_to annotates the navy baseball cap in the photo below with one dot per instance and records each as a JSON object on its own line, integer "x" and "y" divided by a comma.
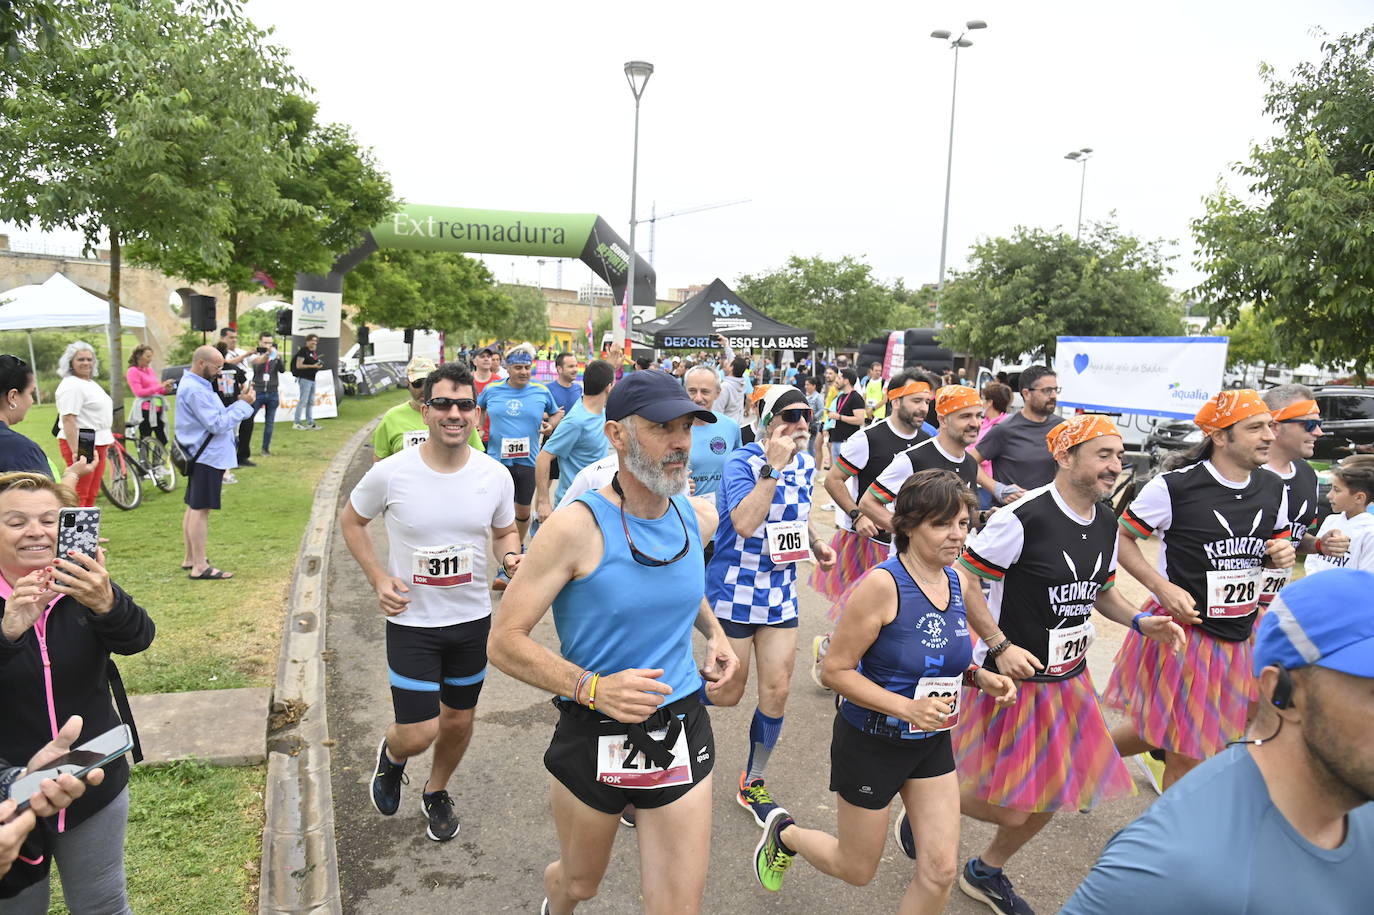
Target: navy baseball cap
{"x": 656, "y": 396}
{"x": 1324, "y": 619}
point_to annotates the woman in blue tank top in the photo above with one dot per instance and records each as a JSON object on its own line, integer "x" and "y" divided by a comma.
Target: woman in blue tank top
{"x": 900, "y": 654}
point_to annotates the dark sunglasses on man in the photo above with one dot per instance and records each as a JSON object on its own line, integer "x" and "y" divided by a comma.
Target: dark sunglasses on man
{"x": 444, "y": 404}
{"x": 418, "y": 383}
{"x": 1309, "y": 425}
{"x": 795, "y": 416}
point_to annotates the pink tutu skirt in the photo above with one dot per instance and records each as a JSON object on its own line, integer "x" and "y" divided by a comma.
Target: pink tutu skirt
{"x": 854, "y": 555}
{"x": 1049, "y": 750}
{"x": 1191, "y": 703}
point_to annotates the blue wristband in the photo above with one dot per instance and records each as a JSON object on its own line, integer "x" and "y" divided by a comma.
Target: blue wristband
{"x": 1135, "y": 622}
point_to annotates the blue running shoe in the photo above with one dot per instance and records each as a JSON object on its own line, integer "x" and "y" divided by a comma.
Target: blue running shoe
{"x": 994, "y": 890}
{"x": 387, "y": 782}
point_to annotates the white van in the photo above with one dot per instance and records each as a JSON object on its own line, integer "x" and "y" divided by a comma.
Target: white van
{"x": 390, "y": 346}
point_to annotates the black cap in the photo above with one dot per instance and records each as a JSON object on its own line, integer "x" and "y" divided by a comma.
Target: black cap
{"x": 490, "y": 349}
{"x": 656, "y": 396}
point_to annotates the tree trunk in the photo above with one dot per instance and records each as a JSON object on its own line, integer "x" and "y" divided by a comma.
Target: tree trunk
{"x": 233, "y": 308}
{"x": 116, "y": 334}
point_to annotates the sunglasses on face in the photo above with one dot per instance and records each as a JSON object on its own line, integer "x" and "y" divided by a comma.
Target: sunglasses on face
{"x": 795, "y": 416}
{"x": 444, "y": 404}
{"x": 418, "y": 383}
{"x": 1309, "y": 425}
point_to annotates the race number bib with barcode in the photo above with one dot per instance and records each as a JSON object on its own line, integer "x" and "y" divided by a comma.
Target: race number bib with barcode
{"x": 1233, "y": 592}
{"x": 943, "y": 688}
{"x": 1068, "y": 646}
{"x": 617, "y": 765}
{"x": 788, "y": 541}
{"x": 442, "y": 566}
{"x": 412, "y": 437}
{"x": 1271, "y": 583}
{"x": 515, "y": 447}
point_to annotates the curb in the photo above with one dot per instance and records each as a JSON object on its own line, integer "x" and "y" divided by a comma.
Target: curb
{"x": 299, "y": 870}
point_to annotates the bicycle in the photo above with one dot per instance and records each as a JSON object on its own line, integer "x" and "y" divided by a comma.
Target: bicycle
{"x": 122, "y": 483}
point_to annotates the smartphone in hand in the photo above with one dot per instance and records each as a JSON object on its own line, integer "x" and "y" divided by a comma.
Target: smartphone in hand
{"x": 94, "y": 754}
{"x": 78, "y": 529}
{"x": 85, "y": 444}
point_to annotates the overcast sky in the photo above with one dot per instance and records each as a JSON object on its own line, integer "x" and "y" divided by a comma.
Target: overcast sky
{"x": 832, "y": 119}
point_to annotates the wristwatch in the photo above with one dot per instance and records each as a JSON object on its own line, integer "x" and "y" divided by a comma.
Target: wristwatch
{"x": 853, "y": 514}
{"x": 766, "y": 472}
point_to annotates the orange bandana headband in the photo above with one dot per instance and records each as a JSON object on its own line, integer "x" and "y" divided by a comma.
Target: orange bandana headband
{"x": 955, "y": 397}
{"x": 1296, "y": 409}
{"x": 759, "y": 392}
{"x": 1229, "y": 408}
{"x": 1081, "y": 428}
{"x": 911, "y": 387}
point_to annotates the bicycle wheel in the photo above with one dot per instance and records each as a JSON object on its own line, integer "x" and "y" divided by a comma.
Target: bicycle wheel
{"x": 120, "y": 483}
{"x": 158, "y": 459}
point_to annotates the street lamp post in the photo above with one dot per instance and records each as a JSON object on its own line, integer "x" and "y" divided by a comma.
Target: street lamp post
{"x": 637, "y": 72}
{"x": 1081, "y": 156}
{"x": 956, "y": 44}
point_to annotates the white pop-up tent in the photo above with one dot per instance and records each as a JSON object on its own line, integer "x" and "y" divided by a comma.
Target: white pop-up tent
{"x": 58, "y": 302}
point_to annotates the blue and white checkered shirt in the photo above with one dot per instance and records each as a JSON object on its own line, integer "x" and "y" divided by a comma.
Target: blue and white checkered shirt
{"x": 742, "y": 582}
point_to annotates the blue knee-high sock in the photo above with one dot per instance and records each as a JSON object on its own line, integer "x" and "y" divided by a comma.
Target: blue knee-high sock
{"x": 763, "y": 737}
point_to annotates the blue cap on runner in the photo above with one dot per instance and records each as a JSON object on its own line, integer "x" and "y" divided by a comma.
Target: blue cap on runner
{"x": 1321, "y": 619}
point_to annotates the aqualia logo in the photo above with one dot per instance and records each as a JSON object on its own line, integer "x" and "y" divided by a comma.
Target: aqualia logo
{"x": 1197, "y": 395}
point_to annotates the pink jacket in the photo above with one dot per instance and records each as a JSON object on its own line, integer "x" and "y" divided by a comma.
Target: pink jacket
{"x": 143, "y": 382}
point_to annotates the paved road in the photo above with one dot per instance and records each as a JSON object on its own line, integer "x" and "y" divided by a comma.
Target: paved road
{"x": 501, "y": 792}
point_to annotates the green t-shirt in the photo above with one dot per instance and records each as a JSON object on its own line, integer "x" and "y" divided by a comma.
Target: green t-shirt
{"x": 391, "y": 433}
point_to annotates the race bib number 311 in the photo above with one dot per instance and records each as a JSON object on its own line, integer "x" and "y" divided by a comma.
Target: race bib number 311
{"x": 442, "y": 566}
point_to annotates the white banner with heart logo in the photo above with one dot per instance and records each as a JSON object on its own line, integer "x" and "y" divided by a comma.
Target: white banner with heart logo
{"x": 1156, "y": 376}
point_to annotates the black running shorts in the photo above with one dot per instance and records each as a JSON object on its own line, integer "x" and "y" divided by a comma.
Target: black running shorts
{"x": 430, "y": 665}
{"x": 203, "y": 488}
{"x": 524, "y": 483}
{"x": 868, "y": 771}
{"x": 572, "y": 757}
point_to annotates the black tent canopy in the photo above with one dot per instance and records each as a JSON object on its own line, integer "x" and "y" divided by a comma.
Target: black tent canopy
{"x": 717, "y": 310}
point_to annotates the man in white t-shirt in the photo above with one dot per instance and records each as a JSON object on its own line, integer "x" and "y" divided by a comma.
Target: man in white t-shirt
{"x": 439, "y": 501}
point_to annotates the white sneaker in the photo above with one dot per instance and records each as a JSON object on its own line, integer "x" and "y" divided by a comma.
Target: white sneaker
{"x": 229, "y": 477}
{"x": 1153, "y": 769}
{"x": 827, "y": 506}
{"x": 819, "y": 646}
{"x": 297, "y": 426}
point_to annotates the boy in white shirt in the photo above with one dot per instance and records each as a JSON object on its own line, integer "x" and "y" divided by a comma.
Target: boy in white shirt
{"x": 1352, "y": 490}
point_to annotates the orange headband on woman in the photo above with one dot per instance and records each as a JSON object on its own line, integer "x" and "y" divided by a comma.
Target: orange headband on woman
{"x": 955, "y": 397}
{"x": 1078, "y": 429}
{"x": 1295, "y": 409}
{"x": 911, "y": 387}
{"x": 1229, "y": 408}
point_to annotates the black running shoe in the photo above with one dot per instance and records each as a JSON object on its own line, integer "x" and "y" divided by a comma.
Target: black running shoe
{"x": 627, "y": 816}
{"x": 387, "y": 781}
{"x": 438, "y": 810}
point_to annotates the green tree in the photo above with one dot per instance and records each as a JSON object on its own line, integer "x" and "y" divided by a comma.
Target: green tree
{"x": 28, "y": 21}
{"x": 434, "y": 290}
{"x": 1019, "y": 294}
{"x": 1251, "y": 341}
{"x": 528, "y": 317}
{"x": 1299, "y": 245}
{"x": 331, "y": 192}
{"x": 839, "y": 301}
{"x": 142, "y": 124}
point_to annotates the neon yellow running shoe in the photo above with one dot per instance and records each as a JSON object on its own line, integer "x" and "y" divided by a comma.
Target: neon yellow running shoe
{"x": 770, "y": 861}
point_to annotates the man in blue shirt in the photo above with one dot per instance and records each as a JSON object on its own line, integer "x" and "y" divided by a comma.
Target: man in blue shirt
{"x": 579, "y": 440}
{"x": 520, "y": 411}
{"x": 1281, "y": 822}
{"x": 711, "y": 442}
{"x": 205, "y": 431}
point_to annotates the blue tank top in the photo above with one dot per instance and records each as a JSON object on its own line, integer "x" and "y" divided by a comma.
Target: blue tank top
{"x": 921, "y": 641}
{"x": 626, "y": 614}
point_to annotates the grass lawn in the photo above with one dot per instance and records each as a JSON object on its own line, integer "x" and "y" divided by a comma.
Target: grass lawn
{"x": 195, "y": 831}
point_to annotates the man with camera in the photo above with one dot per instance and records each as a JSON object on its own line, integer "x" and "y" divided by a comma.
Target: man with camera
{"x": 267, "y": 368}
{"x": 205, "y": 431}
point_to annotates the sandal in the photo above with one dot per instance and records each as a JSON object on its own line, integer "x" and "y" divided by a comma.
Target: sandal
{"x": 212, "y": 574}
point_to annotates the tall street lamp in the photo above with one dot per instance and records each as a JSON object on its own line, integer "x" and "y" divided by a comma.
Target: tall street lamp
{"x": 956, "y": 44}
{"x": 1081, "y": 156}
{"x": 637, "y": 72}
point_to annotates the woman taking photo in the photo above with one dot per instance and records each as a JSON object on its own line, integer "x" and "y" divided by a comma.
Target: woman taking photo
{"x": 62, "y": 620}
{"x": 146, "y": 386}
{"x": 18, "y": 452}
{"x": 899, "y": 654}
{"x": 83, "y": 404}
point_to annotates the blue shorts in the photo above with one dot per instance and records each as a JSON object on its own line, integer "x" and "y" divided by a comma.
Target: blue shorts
{"x": 746, "y": 630}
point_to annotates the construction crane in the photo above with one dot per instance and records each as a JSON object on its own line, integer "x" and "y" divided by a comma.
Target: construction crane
{"x": 654, "y": 218}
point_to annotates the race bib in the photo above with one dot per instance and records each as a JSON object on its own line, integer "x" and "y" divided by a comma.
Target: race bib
{"x": 617, "y": 765}
{"x": 1068, "y": 646}
{"x": 943, "y": 688}
{"x": 442, "y": 566}
{"x": 1233, "y": 592}
{"x": 788, "y": 541}
{"x": 412, "y": 437}
{"x": 1272, "y": 582}
{"x": 515, "y": 447}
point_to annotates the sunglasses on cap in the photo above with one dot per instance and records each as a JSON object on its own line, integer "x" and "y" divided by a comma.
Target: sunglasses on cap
{"x": 1308, "y": 425}
{"x": 444, "y": 404}
{"x": 795, "y": 416}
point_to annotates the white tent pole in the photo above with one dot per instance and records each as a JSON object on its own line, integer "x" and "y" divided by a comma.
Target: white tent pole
{"x": 33, "y": 363}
